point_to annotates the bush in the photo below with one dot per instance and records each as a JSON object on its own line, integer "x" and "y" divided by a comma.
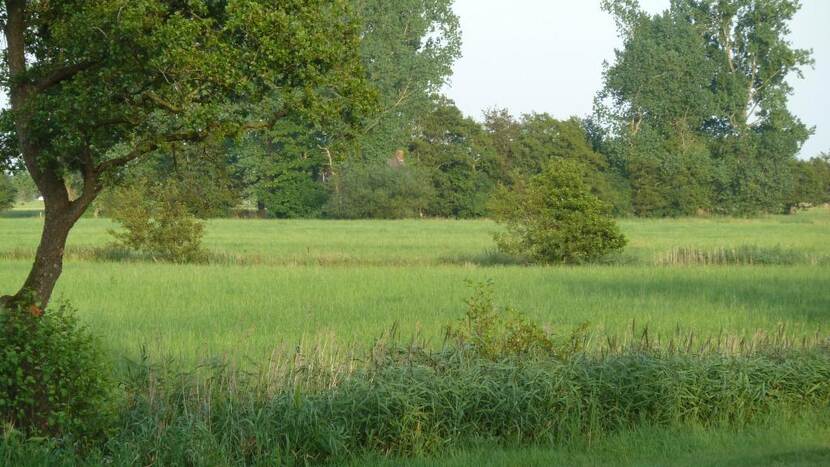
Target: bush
{"x": 379, "y": 191}
{"x": 8, "y": 193}
{"x": 495, "y": 334}
{"x": 53, "y": 378}
{"x": 157, "y": 223}
{"x": 554, "y": 218}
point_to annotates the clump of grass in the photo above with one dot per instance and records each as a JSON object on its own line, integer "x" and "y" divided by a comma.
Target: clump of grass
{"x": 747, "y": 255}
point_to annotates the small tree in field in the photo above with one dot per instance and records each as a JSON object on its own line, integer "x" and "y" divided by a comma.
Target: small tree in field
{"x": 554, "y": 218}
{"x": 157, "y": 223}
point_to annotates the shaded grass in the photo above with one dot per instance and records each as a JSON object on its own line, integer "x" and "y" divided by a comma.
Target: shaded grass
{"x": 785, "y": 440}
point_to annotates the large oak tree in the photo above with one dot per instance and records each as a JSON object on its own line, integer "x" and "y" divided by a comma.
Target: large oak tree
{"x": 98, "y": 86}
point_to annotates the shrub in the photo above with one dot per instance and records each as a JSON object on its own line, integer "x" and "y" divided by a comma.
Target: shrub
{"x": 53, "y": 378}
{"x": 379, "y": 191}
{"x": 554, "y": 218}
{"x": 494, "y": 334}
{"x": 157, "y": 223}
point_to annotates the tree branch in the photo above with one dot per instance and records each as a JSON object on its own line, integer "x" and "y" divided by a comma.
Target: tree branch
{"x": 158, "y": 100}
{"x": 62, "y": 74}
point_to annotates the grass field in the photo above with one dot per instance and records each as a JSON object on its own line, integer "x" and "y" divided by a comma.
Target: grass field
{"x": 799, "y": 442}
{"x": 274, "y": 284}
{"x": 310, "y": 280}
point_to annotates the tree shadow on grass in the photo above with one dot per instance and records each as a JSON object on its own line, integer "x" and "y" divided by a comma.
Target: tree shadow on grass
{"x": 21, "y": 214}
{"x": 805, "y": 457}
{"x": 489, "y": 258}
{"x": 782, "y": 298}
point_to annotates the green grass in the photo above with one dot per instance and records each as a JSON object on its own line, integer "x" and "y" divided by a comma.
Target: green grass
{"x": 435, "y": 242}
{"x": 782, "y": 442}
{"x": 344, "y": 283}
{"x": 352, "y": 280}
{"x": 201, "y": 310}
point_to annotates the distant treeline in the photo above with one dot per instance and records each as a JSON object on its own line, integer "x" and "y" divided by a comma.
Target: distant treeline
{"x": 692, "y": 119}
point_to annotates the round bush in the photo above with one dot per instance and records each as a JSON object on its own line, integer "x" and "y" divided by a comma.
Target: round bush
{"x": 53, "y": 378}
{"x": 554, "y": 218}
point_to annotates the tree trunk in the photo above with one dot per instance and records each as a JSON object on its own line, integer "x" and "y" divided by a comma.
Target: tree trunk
{"x": 62, "y": 211}
{"x": 48, "y": 263}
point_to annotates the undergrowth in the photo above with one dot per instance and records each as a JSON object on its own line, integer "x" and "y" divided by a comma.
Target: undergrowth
{"x": 499, "y": 379}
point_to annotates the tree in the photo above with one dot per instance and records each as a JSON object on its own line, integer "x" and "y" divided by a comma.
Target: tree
{"x": 461, "y": 165}
{"x": 525, "y": 146}
{"x": 811, "y": 182}
{"x": 8, "y": 192}
{"x": 284, "y": 170}
{"x": 25, "y": 187}
{"x": 697, "y": 99}
{"x": 98, "y": 87}
{"x": 379, "y": 191}
{"x": 408, "y": 49}
{"x": 554, "y": 218}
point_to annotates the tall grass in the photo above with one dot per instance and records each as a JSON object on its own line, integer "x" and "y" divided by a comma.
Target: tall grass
{"x": 746, "y": 255}
{"x": 403, "y": 400}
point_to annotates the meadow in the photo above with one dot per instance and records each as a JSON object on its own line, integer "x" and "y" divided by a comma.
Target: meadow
{"x": 277, "y": 283}
{"x": 334, "y": 287}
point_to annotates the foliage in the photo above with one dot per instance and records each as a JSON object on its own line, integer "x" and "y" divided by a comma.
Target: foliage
{"x": 25, "y": 186}
{"x": 378, "y": 191}
{"x": 694, "y": 108}
{"x": 8, "y": 192}
{"x": 553, "y": 218}
{"x": 53, "y": 378}
{"x": 284, "y": 170}
{"x": 811, "y": 182}
{"x": 408, "y": 50}
{"x": 523, "y": 146}
{"x": 157, "y": 222}
{"x": 454, "y": 151}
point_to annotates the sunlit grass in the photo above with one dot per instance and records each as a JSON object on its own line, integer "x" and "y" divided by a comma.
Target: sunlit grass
{"x": 353, "y": 280}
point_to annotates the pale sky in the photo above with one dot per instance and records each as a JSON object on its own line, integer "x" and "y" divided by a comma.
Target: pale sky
{"x": 546, "y": 56}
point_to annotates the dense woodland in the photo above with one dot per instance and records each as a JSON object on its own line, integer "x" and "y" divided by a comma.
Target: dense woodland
{"x": 692, "y": 120}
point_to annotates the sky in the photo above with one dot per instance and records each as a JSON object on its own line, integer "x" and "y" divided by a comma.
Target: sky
{"x": 547, "y": 55}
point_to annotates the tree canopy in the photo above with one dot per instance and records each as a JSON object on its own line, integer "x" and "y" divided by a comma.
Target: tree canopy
{"x": 695, "y": 105}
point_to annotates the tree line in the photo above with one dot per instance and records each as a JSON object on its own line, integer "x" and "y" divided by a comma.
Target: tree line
{"x": 692, "y": 119}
